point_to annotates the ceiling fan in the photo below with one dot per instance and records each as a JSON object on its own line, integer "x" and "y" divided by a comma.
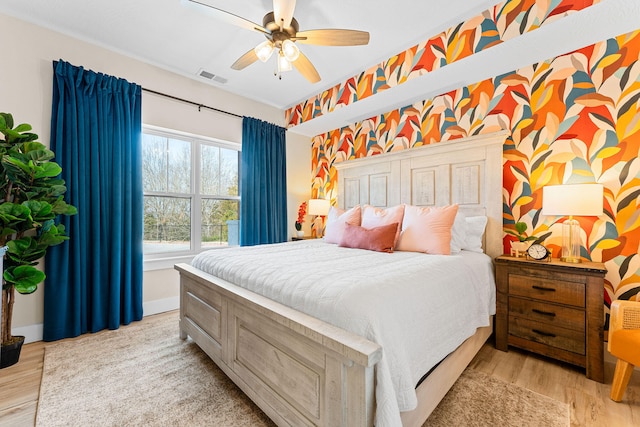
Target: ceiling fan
{"x": 282, "y": 32}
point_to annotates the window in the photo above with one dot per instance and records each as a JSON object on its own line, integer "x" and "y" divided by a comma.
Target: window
{"x": 191, "y": 194}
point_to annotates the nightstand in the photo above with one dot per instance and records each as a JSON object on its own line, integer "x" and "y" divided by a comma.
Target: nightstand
{"x": 552, "y": 308}
{"x": 294, "y": 238}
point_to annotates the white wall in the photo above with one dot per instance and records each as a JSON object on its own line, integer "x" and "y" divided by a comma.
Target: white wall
{"x": 26, "y": 91}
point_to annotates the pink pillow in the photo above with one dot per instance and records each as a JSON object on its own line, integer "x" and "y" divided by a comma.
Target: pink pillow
{"x": 379, "y": 239}
{"x": 336, "y": 220}
{"x": 375, "y": 217}
{"x": 427, "y": 230}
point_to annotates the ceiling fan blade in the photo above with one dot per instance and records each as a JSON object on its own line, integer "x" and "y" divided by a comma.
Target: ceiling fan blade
{"x": 333, "y": 37}
{"x": 245, "y": 60}
{"x": 227, "y": 17}
{"x": 283, "y": 10}
{"x": 306, "y": 68}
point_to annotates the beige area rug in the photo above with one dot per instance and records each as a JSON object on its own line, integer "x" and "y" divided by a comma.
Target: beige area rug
{"x": 478, "y": 399}
{"x": 142, "y": 374}
{"x": 145, "y": 375}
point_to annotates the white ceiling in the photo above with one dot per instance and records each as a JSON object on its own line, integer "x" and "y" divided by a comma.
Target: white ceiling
{"x": 185, "y": 39}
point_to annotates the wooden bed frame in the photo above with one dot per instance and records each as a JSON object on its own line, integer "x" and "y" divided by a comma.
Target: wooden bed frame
{"x": 302, "y": 371}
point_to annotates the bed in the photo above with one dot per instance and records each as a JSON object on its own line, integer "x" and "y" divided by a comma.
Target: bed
{"x": 299, "y": 367}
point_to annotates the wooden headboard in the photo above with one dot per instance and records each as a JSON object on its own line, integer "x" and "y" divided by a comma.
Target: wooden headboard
{"x": 464, "y": 171}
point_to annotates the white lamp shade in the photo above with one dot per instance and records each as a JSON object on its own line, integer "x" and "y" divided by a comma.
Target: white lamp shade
{"x": 290, "y": 50}
{"x": 264, "y": 50}
{"x": 572, "y": 199}
{"x": 319, "y": 207}
{"x": 283, "y": 63}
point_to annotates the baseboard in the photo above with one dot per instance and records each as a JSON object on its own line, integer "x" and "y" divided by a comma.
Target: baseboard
{"x": 161, "y": 305}
{"x": 33, "y": 333}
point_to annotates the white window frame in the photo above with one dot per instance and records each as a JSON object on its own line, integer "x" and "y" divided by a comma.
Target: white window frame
{"x": 166, "y": 260}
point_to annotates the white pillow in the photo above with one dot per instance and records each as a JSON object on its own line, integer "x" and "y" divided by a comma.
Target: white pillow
{"x": 458, "y": 233}
{"x": 336, "y": 220}
{"x": 474, "y": 231}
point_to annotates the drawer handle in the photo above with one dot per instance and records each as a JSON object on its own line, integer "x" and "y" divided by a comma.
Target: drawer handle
{"x": 544, "y": 313}
{"x": 542, "y": 288}
{"x": 544, "y": 334}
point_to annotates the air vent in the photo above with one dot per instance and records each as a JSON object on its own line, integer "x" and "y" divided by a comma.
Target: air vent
{"x": 210, "y": 76}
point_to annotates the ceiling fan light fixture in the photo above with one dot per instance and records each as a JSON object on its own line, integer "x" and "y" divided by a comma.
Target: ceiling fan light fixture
{"x": 264, "y": 50}
{"x": 290, "y": 50}
{"x": 283, "y": 63}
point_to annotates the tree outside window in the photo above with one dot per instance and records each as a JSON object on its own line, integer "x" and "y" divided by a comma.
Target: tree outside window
{"x": 191, "y": 196}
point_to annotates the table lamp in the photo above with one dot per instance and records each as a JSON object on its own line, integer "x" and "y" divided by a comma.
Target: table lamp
{"x": 572, "y": 200}
{"x": 319, "y": 208}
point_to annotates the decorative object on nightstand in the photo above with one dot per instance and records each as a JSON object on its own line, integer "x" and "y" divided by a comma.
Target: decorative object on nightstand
{"x": 296, "y": 238}
{"x": 552, "y": 308}
{"x": 572, "y": 200}
{"x": 538, "y": 252}
{"x": 319, "y": 208}
{"x": 519, "y": 248}
{"x": 302, "y": 211}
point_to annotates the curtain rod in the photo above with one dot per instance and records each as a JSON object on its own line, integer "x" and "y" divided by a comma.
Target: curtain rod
{"x": 200, "y": 106}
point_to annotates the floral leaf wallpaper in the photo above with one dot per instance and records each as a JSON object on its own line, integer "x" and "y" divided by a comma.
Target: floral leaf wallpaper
{"x": 502, "y": 22}
{"x": 573, "y": 119}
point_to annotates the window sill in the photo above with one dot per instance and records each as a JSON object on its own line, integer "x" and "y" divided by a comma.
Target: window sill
{"x": 166, "y": 263}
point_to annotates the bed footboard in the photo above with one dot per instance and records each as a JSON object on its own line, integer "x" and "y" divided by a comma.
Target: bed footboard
{"x": 297, "y": 369}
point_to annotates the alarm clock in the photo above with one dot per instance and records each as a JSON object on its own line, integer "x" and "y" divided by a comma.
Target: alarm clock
{"x": 538, "y": 252}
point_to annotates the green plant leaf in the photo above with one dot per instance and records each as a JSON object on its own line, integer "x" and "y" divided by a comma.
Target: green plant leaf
{"x": 8, "y": 120}
{"x": 25, "y": 278}
{"x": 25, "y": 250}
{"x": 38, "y": 154}
{"x": 40, "y": 210}
{"x": 60, "y": 207}
{"x": 24, "y": 127}
{"x": 6, "y": 231}
{"x": 13, "y": 213}
{"x": 52, "y": 235}
{"x": 21, "y": 245}
{"x": 521, "y": 227}
{"x": 50, "y": 169}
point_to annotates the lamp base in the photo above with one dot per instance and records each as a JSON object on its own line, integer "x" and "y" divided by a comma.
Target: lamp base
{"x": 318, "y": 226}
{"x": 571, "y": 241}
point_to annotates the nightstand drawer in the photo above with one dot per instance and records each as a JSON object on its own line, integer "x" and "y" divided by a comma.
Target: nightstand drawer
{"x": 551, "y": 314}
{"x": 565, "y": 339}
{"x": 561, "y": 292}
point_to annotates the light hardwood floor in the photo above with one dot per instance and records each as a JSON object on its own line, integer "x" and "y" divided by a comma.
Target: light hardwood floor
{"x": 589, "y": 401}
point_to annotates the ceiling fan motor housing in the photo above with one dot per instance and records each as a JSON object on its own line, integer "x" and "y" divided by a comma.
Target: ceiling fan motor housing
{"x": 279, "y": 35}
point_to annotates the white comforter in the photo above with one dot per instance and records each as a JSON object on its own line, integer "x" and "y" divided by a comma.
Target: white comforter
{"x": 418, "y": 307}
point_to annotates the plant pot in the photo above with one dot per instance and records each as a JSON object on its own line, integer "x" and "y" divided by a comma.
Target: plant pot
{"x": 11, "y": 352}
{"x": 518, "y": 249}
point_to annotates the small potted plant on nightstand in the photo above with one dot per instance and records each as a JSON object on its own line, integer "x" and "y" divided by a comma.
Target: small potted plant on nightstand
{"x": 519, "y": 248}
{"x": 302, "y": 211}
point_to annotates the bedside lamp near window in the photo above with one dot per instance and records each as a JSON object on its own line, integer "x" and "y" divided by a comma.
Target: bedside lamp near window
{"x": 319, "y": 208}
{"x": 572, "y": 200}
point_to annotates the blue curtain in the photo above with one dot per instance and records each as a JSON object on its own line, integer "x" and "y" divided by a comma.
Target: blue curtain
{"x": 94, "y": 280}
{"x": 263, "y": 185}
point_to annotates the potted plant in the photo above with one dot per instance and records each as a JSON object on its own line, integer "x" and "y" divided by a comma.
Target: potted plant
{"x": 31, "y": 196}
{"x": 523, "y": 240}
{"x": 302, "y": 211}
